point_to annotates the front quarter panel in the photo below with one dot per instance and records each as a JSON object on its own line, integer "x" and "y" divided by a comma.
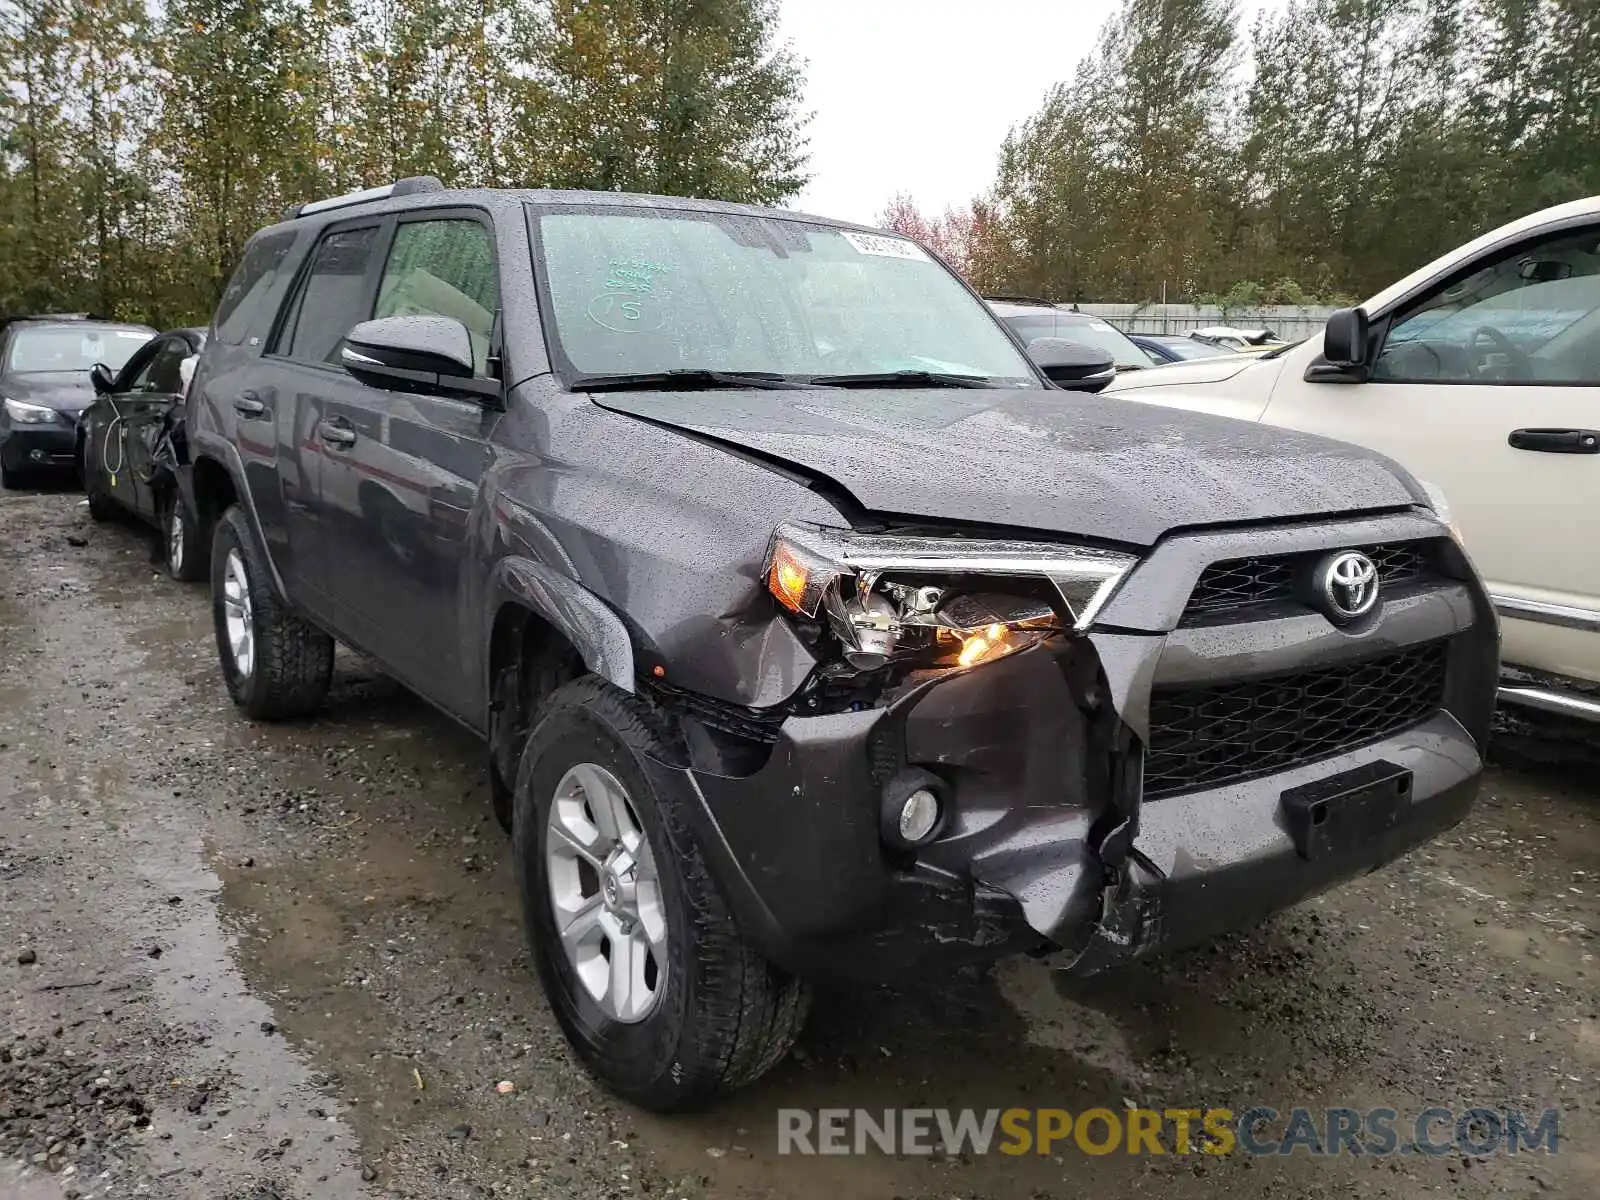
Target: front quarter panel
{"x": 664, "y": 529}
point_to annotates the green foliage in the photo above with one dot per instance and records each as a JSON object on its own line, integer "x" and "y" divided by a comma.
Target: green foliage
{"x": 1371, "y": 136}
{"x": 141, "y": 145}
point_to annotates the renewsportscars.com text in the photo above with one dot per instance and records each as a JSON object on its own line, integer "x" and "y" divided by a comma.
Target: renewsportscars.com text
{"x": 1260, "y": 1130}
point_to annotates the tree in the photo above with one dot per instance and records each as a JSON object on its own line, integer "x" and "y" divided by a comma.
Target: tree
{"x": 1105, "y": 188}
{"x": 683, "y": 97}
{"x": 950, "y": 236}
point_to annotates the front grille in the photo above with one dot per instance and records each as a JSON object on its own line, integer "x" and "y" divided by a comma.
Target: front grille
{"x": 1203, "y": 737}
{"x": 1239, "y": 583}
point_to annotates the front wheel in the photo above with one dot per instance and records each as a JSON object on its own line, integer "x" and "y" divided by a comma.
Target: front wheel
{"x": 277, "y": 665}
{"x": 654, "y": 987}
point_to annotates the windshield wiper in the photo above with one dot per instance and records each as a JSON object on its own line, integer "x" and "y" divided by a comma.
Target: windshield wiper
{"x": 889, "y": 379}
{"x": 686, "y": 379}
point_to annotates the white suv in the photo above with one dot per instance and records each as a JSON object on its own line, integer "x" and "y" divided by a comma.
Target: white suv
{"x": 1481, "y": 374}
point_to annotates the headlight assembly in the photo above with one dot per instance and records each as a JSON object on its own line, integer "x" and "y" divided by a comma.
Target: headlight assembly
{"x": 937, "y": 601}
{"x": 31, "y": 414}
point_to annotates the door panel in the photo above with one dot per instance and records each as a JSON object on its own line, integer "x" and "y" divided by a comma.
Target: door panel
{"x": 401, "y": 471}
{"x": 333, "y": 293}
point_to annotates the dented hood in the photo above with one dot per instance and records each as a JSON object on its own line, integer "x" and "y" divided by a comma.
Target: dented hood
{"x": 1053, "y": 461}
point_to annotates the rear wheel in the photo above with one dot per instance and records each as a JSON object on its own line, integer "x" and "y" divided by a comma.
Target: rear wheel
{"x": 185, "y": 551}
{"x": 277, "y": 665}
{"x": 656, "y": 990}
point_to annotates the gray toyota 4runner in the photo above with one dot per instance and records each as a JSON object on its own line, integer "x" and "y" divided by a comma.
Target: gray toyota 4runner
{"x": 811, "y": 631}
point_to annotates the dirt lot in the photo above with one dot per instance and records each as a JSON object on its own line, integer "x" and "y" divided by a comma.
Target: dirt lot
{"x": 246, "y": 962}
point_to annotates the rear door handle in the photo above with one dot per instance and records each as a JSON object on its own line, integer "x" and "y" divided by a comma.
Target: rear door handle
{"x": 248, "y": 404}
{"x": 336, "y": 433}
{"x": 1556, "y": 441}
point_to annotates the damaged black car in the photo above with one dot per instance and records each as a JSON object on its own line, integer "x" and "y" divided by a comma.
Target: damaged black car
{"x": 812, "y": 632}
{"x": 132, "y": 447}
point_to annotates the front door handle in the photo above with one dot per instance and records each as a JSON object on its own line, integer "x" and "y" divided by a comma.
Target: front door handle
{"x": 337, "y": 434}
{"x": 1556, "y": 441}
{"x": 248, "y": 404}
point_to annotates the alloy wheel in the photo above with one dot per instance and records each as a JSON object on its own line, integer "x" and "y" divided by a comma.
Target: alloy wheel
{"x": 606, "y": 894}
{"x": 175, "y": 539}
{"x": 237, "y": 614}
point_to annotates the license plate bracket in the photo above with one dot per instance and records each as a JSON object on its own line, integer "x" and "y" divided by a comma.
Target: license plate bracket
{"x": 1331, "y": 816}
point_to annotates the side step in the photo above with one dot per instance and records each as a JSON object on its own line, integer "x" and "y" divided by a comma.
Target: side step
{"x": 1567, "y": 704}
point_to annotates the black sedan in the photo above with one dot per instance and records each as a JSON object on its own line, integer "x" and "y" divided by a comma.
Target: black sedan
{"x": 44, "y": 384}
{"x": 131, "y": 444}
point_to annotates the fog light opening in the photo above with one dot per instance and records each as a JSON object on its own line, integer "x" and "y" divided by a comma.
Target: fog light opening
{"x": 915, "y": 808}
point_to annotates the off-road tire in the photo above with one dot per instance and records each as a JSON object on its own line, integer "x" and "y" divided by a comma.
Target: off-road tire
{"x": 725, "y": 1016}
{"x": 194, "y": 564}
{"x": 293, "y": 658}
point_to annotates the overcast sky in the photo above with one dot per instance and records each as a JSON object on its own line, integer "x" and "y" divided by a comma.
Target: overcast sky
{"x": 916, "y": 95}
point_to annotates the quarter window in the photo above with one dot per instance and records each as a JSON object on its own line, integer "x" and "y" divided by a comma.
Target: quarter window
{"x": 331, "y": 298}
{"x": 256, "y": 273}
{"x": 444, "y": 268}
{"x": 1531, "y": 316}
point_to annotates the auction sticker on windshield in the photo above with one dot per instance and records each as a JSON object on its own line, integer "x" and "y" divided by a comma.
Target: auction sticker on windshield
{"x": 884, "y": 247}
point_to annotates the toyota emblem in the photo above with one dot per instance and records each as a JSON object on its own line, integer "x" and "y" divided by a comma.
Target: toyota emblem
{"x": 1347, "y": 585}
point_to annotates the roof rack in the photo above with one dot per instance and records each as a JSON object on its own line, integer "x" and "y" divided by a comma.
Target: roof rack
{"x": 1022, "y": 300}
{"x": 413, "y": 185}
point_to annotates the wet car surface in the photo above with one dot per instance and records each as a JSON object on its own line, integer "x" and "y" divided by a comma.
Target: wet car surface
{"x": 293, "y": 955}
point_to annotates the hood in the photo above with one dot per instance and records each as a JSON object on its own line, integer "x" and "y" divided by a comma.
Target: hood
{"x": 1053, "y": 461}
{"x": 65, "y": 391}
{"x": 1218, "y": 369}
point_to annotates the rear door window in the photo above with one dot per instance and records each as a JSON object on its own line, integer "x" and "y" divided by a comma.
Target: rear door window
{"x": 332, "y": 296}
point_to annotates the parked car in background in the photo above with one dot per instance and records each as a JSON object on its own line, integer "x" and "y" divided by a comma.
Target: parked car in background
{"x": 1175, "y": 347}
{"x": 1030, "y": 319}
{"x": 132, "y": 446}
{"x": 1481, "y": 373}
{"x": 810, "y": 630}
{"x": 44, "y": 383}
{"x": 1244, "y": 340}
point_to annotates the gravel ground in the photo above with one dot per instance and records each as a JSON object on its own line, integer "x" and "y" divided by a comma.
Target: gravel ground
{"x": 245, "y": 963}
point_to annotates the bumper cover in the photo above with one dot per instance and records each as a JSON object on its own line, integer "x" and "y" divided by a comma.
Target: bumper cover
{"x": 1050, "y": 847}
{"x": 30, "y": 447}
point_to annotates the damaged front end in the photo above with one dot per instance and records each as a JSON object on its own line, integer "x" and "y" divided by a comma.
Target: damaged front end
{"x": 1017, "y": 747}
{"x": 960, "y": 707}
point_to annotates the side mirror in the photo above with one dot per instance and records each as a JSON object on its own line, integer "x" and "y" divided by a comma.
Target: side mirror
{"x": 1072, "y": 365}
{"x": 102, "y": 379}
{"x": 1344, "y": 342}
{"x": 415, "y": 354}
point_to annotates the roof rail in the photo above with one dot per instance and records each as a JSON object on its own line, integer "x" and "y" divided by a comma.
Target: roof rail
{"x": 413, "y": 185}
{"x": 1022, "y": 300}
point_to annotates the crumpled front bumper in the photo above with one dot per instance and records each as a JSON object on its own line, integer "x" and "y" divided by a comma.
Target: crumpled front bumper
{"x": 1051, "y": 847}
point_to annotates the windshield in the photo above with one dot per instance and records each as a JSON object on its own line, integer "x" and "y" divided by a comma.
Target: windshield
{"x": 635, "y": 291}
{"x": 39, "y": 348}
{"x": 1087, "y": 331}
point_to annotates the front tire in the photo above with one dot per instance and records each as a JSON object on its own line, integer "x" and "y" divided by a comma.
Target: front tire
{"x": 656, "y": 990}
{"x": 185, "y": 550}
{"x": 276, "y": 664}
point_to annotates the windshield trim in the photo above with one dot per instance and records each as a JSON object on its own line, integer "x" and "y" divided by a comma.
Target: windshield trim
{"x": 569, "y": 374}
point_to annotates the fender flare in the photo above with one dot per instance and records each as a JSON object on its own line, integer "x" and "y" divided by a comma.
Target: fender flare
{"x": 587, "y": 622}
{"x": 225, "y": 455}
